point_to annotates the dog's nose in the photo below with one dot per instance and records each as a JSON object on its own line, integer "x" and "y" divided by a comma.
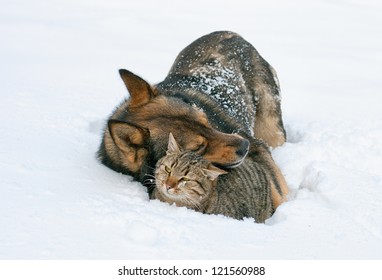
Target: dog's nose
{"x": 243, "y": 148}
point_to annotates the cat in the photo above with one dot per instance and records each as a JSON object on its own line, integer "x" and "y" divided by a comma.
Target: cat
{"x": 187, "y": 179}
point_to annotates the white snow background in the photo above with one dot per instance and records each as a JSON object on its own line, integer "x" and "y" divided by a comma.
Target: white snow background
{"x": 59, "y": 82}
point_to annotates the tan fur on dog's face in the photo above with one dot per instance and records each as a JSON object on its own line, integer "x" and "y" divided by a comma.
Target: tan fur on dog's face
{"x": 192, "y": 130}
{"x": 225, "y": 76}
{"x": 163, "y": 115}
{"x": 142, "y": 125}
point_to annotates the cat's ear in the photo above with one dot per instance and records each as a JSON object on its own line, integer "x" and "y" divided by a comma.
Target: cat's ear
{"x": 213, "y": 172}
{"x": 172, "y": 147}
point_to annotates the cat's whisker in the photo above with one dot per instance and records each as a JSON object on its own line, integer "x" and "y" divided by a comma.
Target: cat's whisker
{"x": 149, "y": 167}
{"x": 149, "y": 181}
{"x": 150, "y": 176}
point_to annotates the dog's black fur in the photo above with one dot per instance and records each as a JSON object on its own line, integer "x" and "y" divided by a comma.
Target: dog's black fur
{"x": 217, "y": 86}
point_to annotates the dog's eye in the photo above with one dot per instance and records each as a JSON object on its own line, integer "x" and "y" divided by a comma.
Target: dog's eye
{"x": 200, "y": 149}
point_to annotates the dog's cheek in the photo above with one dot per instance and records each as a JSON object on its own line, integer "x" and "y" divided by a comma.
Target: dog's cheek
{"x": 227, "y": 155}
{"x": 141, "y": 155}
{"x": 221, "y": 155}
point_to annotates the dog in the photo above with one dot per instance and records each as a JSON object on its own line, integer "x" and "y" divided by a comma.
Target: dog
{"x": 219, "y": 94}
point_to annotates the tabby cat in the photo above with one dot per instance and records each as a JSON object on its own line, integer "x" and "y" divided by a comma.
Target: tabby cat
{"x": 186, "y": 179}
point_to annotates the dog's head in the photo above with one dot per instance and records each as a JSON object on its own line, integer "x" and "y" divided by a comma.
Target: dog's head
{"x": 139, "y": 130}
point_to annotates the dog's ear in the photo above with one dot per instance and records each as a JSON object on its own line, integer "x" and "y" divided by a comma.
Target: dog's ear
{"x": 172, "y": 146}
{"x": 213, "y": 172}
{"x": 131, "y": 140}
{"x": 140, "y": 91}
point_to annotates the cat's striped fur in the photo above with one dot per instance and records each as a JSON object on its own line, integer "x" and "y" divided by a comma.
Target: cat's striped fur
{"x": 245, "y": 191}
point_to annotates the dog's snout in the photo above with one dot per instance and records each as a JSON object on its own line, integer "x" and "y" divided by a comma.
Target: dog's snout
{"x": 243, "y": 148}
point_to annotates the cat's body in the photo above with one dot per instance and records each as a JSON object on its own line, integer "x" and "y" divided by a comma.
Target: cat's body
{"x": 187, "y": 179}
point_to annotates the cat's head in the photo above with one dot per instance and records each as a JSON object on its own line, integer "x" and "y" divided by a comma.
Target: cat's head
{"x": 185, "y": 178}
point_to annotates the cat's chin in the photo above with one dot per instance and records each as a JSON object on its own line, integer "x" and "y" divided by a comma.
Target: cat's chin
{"x": 170, "y": 194}
{"x": 178, "y": 199}
{"x": 173, "y": 196}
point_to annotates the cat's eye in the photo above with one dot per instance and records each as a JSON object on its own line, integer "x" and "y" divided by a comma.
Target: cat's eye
{"x": 167, "y": 169}
{"x": 185, "y": 179}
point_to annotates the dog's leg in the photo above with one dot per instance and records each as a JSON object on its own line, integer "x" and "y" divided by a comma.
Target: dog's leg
{"x": 262, "y": 83}
{"x": 269, "y": 124}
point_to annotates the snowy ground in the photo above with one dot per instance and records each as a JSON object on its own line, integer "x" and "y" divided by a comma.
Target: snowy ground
{"x": 59, "y": 82}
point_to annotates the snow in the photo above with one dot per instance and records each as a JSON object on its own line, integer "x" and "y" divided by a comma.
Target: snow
{"x": 59, "y": 83}
{"x": 212, "y": 79}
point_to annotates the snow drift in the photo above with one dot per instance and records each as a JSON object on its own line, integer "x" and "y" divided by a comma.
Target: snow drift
{"x": 59, "y": 82}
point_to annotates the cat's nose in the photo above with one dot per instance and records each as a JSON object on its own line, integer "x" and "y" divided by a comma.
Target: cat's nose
{"x": 170, "y": 183}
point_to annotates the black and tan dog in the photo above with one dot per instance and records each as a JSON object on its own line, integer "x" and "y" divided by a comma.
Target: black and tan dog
{"x": 219, "y": 93}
